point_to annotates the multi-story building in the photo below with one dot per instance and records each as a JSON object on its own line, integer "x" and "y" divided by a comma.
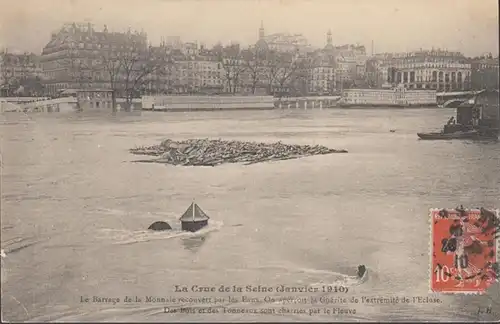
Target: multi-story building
{"x": 321, "y": 73}
{"x": 173, "y": 42}
{"x": 20, "y": 73}
{"x": 253, "y": 78}
{"x": 198, "y": 73}
{"x": 398, "y": 97}
{"x": 435, "y": 69}
{"x": 350, "y": 63}
{"x": 484, "y": 73}
{"x": 78, "y": 56}
{"x": 232, "y": 66}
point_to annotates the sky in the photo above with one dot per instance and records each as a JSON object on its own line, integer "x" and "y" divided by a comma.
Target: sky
{"x": 468, "y": 26}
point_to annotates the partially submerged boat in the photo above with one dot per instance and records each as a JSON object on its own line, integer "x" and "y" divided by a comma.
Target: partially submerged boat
{"x": 447, "y": 136}
{"x": 476, "y": 119}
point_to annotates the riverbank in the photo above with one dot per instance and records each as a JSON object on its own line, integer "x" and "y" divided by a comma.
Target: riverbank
{"x": 164, "y": 109}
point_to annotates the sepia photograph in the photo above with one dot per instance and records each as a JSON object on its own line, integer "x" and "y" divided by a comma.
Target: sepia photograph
{"x": 249, "y": 161}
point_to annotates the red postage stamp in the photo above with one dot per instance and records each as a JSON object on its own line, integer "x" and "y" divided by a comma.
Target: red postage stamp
{"x": 464, "y": 250}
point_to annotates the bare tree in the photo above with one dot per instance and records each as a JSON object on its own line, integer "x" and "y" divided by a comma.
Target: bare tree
{"x": 301, "y": 77}
{"x": 138, "y": 62}
{"x": 284, "y": 67}
{"x": 111, "y": 65}
{"x": 18, "y": 74}
{"x": 6, "y": 70}
{"x": 27, "y": 82}
{"x": 232, "y": 64}
{"x": 169, "y": 76}
{"x": 254, "y": 67}
{"x": 270, "y": 71}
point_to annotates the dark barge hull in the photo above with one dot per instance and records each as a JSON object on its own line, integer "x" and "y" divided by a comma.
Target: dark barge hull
{"x": 450, "y": 136}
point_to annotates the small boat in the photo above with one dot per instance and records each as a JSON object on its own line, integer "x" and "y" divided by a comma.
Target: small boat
{"x": 447, "y": 136}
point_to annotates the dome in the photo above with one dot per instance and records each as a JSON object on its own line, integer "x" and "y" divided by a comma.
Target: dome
{"x": 262, "y": 45}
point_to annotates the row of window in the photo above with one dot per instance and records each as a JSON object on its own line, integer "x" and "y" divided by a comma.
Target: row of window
{"x": 431, "y": 66}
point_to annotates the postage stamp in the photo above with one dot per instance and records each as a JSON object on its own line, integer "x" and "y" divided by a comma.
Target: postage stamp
{"x": 464, "y": 250}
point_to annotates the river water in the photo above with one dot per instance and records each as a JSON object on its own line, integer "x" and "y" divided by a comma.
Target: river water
{"x": 75, "y": 210}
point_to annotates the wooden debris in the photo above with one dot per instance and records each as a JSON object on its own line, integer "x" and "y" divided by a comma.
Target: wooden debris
{"x": 206, "y": 152}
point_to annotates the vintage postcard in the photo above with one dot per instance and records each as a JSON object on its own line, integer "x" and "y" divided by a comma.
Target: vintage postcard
{"x": 249, "y": 161}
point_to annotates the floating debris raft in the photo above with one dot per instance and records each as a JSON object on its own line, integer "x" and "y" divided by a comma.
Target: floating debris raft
{"x": 207, "y": 152}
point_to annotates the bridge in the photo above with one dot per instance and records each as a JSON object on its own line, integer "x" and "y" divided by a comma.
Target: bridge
{"x": 455, "y": 94}
{"x": 454, "y": 99}
{"x": 453, "y": 103}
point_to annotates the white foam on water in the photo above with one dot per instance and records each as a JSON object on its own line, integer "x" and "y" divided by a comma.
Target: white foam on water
{"x": 332, "y": 278}
{"x": 124, "y": 237}
{"x": 109, "y": 211}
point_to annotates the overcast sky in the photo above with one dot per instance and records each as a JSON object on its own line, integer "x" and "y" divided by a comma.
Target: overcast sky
{"x": 469, "y": 26}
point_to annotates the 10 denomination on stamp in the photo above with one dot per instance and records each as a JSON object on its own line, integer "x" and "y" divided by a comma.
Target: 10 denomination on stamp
{"x": 464, "y": 250}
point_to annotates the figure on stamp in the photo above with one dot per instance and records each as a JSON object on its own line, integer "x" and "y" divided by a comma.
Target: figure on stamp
{"x": 487, "y": 220}
{"x": 444, "y": 213}
{"x": 462, "y": 212}
{"x": 461, "y": 259}
{"x": 463, "y": 253}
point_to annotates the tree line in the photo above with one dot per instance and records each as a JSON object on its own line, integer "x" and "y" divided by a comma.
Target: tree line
{"x": 15, "y": 75}
{"x": 129, "y": 68}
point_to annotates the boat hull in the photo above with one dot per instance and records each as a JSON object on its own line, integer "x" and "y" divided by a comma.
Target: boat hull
{"x": 457, "y": 135}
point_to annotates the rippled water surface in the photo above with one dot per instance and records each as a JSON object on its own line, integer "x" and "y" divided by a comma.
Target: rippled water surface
{"x": 75, "y": 210}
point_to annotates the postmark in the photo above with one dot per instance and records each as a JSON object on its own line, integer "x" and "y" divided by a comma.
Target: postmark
{"x": 464, "y": 250}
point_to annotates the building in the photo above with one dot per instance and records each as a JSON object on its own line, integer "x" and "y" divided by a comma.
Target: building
{"x": 374, "y": 77}
{"x": 90, "y": 98}
{"x": 321, "y": 74}
{"x": 482, "y": 112}
{"x": 285, "y": 42}
{"x": 489, "y": 108}
{"x": 439, "y": 70}
{"x": 173, "y": 42}
{"x": 197, "y": 73}
{"x": 20, "y": 74}
{"x": 78, "y": 56}
{"x": 350, "y": 63}
{"x": 193, "y": 218}
{"x": 321, "y": 67}
{"x": 484, "y": 73}
{"x": 397, "y": 97}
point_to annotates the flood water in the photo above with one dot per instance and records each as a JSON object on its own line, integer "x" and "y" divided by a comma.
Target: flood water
{"x": 75, "y": 212}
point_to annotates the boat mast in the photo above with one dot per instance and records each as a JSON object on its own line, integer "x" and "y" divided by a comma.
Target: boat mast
{"x": 194, "y": 206}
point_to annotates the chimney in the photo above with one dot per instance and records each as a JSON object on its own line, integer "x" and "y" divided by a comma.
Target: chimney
{"x": 89, "y": 29}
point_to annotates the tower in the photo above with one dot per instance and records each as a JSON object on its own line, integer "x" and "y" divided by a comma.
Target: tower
{"x": 261, "y": 30}
{"x": 329, "y": 37}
